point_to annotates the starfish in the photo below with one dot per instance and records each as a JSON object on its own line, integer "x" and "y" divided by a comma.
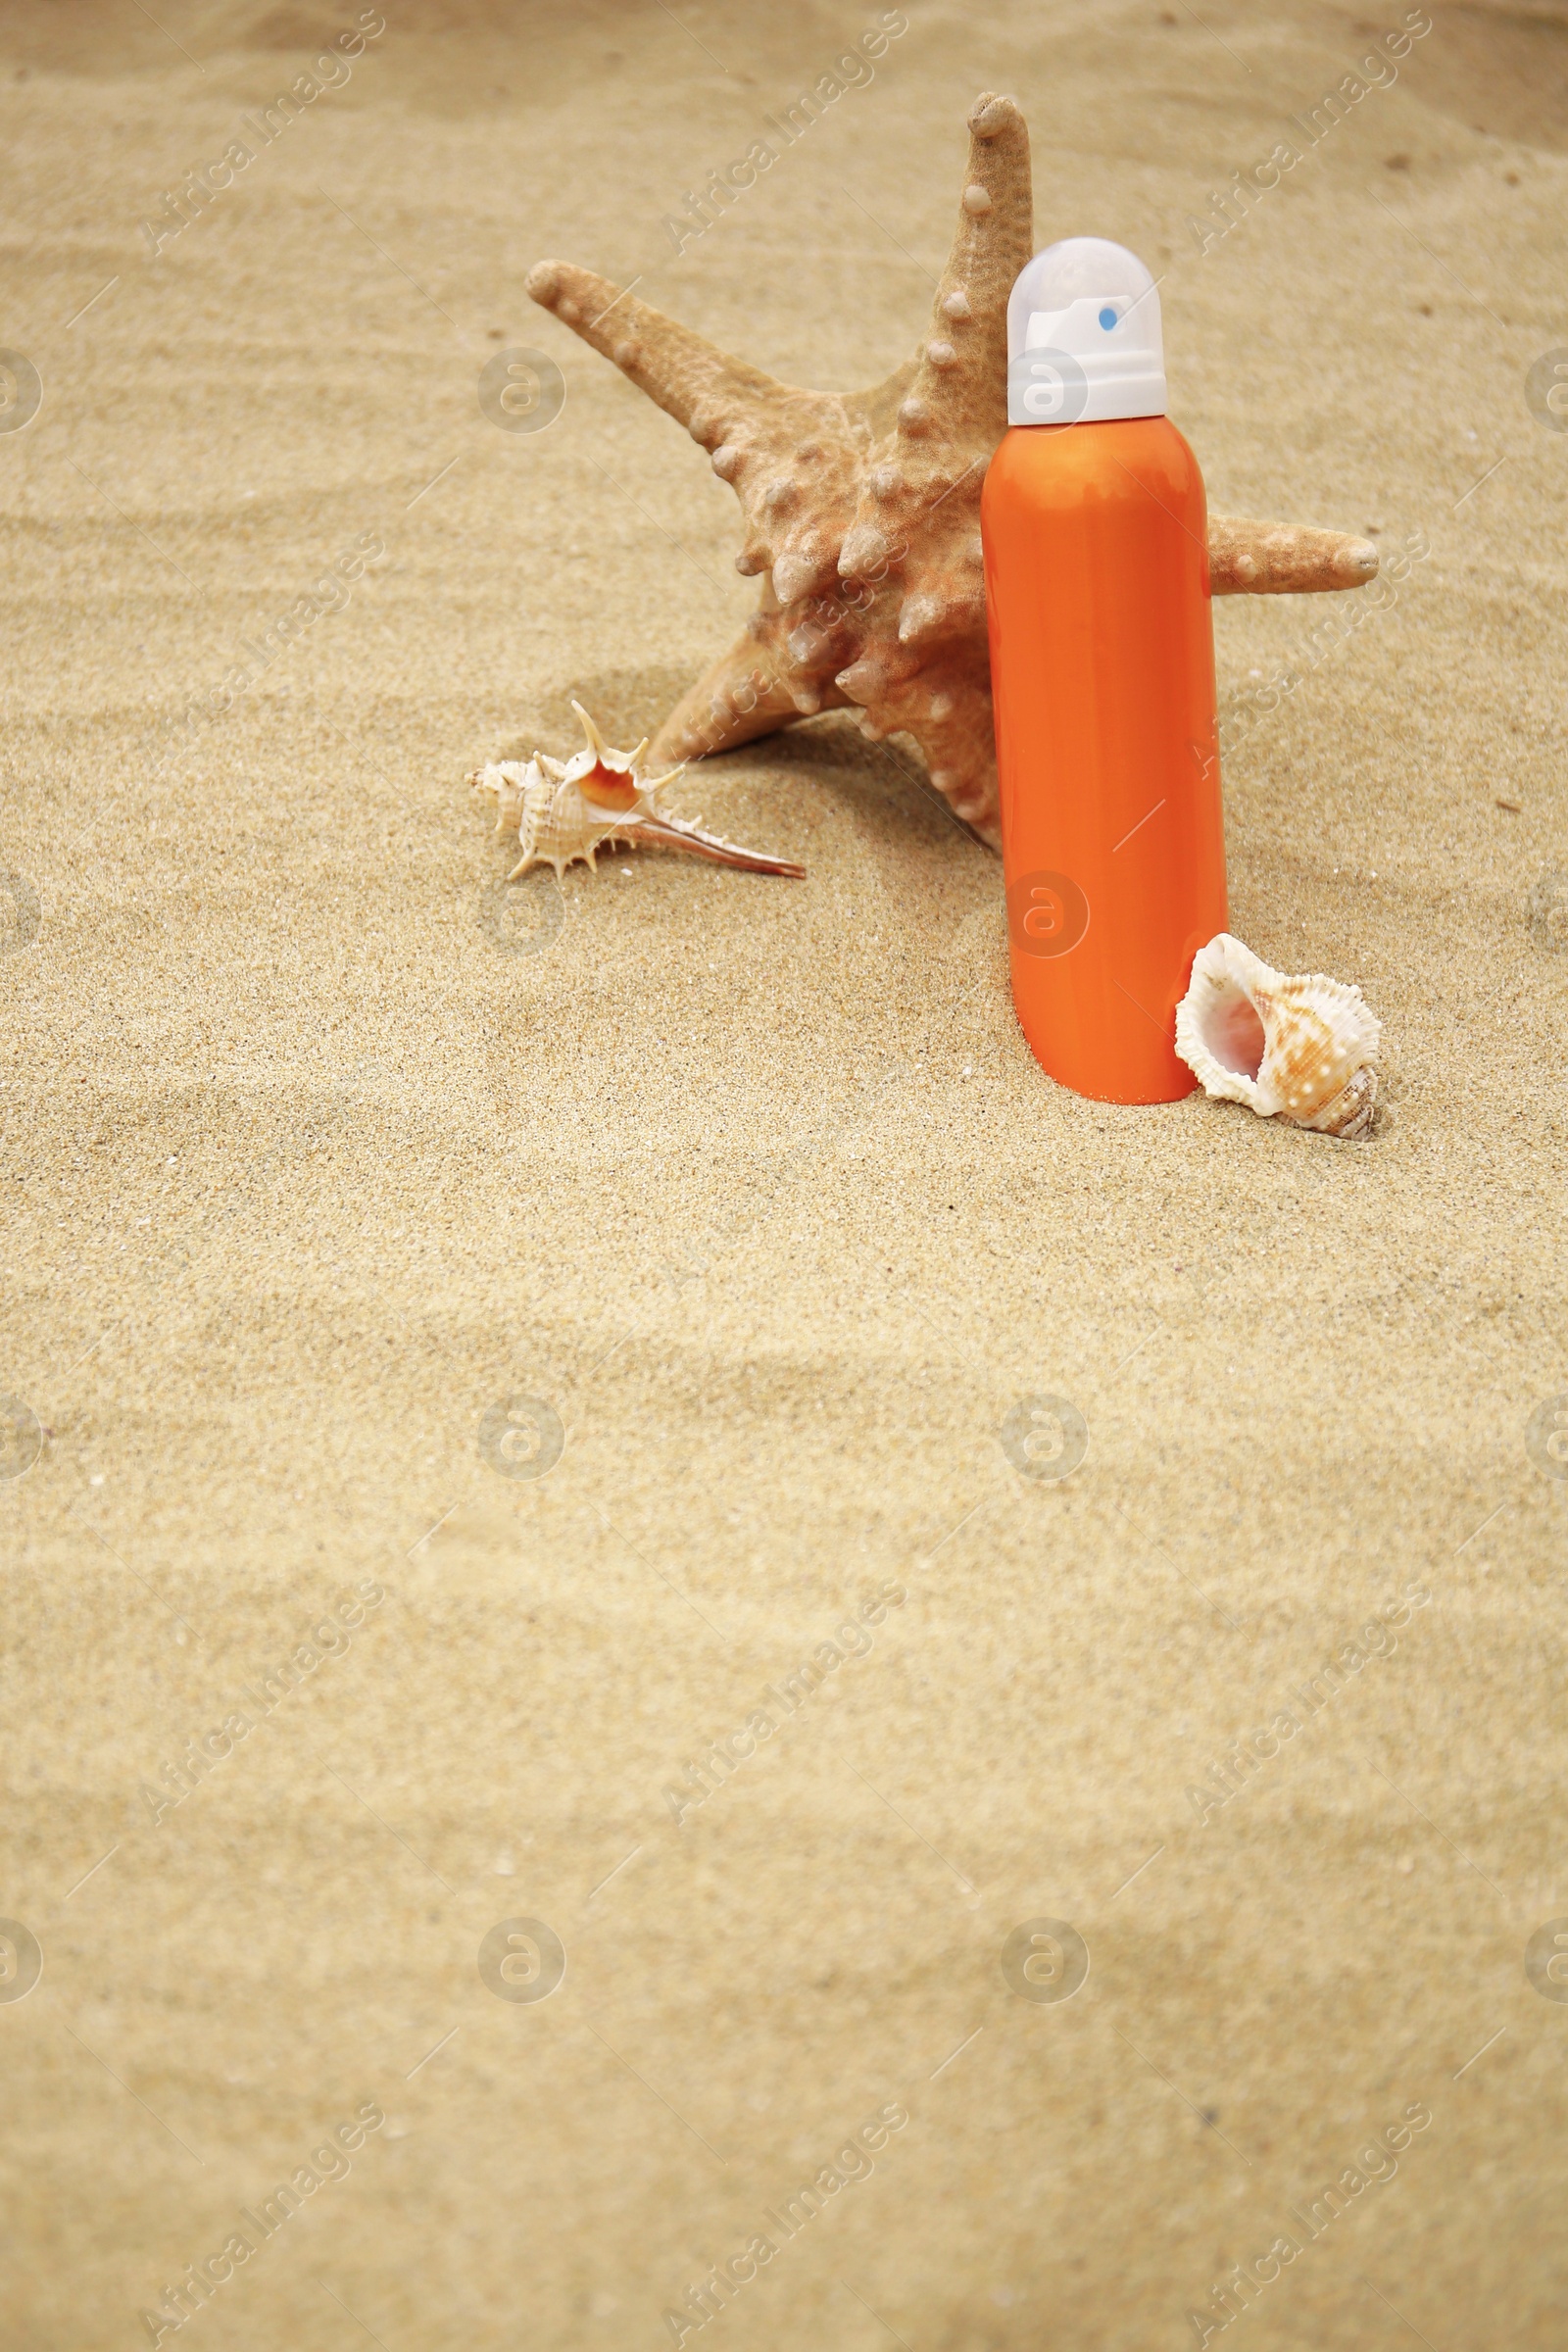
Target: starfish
{"x": 863, "y": 510}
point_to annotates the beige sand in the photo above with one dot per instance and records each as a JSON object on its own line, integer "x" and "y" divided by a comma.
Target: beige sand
{"x": 312, "y": 1164}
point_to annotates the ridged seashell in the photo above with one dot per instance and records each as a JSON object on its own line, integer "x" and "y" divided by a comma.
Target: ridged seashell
{"x": 561, "y": 813}
{"x": 1290, "y": 1046}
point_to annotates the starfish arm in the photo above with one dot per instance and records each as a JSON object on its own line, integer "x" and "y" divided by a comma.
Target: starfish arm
{"x": 961, "y": 756}
{"x": 953, "y": 405}
{"x": 1284, "y": 558}
{"x": 960, "y": 375}
{"x": 944, "y": 703}
{"x": 690, "y": 378}
{"x": 743, "y": 696}
{"x": 793, "y": 457}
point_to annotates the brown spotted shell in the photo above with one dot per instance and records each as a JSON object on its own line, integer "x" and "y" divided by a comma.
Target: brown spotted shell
{"x": 1292, "y": 1046}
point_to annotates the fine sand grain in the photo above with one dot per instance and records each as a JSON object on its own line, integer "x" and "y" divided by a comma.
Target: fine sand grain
{"x": 320, "y": 1147}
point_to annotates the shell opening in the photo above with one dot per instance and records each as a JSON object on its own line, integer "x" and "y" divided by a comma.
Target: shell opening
{"x": 1235, "y": 1035}
{"x": 609, "y": 788}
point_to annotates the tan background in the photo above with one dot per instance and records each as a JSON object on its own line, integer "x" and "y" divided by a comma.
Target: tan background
{"x": 757, "y": 1186}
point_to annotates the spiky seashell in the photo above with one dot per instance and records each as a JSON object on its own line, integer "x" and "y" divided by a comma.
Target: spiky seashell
{"x": 562, "y": 812}
{"x": 863, "y": 510}
{"x": 1290, "y": 1046}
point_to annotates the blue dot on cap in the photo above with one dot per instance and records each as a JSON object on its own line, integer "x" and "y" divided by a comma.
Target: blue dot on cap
{"x": 1107, "y": 318}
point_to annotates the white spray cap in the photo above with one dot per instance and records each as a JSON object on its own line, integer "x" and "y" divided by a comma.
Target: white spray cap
{"x": 1083, "y": 336}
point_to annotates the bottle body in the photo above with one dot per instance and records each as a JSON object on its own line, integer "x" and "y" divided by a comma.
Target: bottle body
{"x": 1103, "y": 680}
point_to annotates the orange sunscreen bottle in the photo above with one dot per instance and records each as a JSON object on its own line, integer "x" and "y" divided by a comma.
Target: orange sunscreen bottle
{"x": 1096, "y": 535}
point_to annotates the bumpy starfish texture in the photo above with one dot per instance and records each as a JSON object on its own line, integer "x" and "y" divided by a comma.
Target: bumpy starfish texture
{"x": 863, "y": 510}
